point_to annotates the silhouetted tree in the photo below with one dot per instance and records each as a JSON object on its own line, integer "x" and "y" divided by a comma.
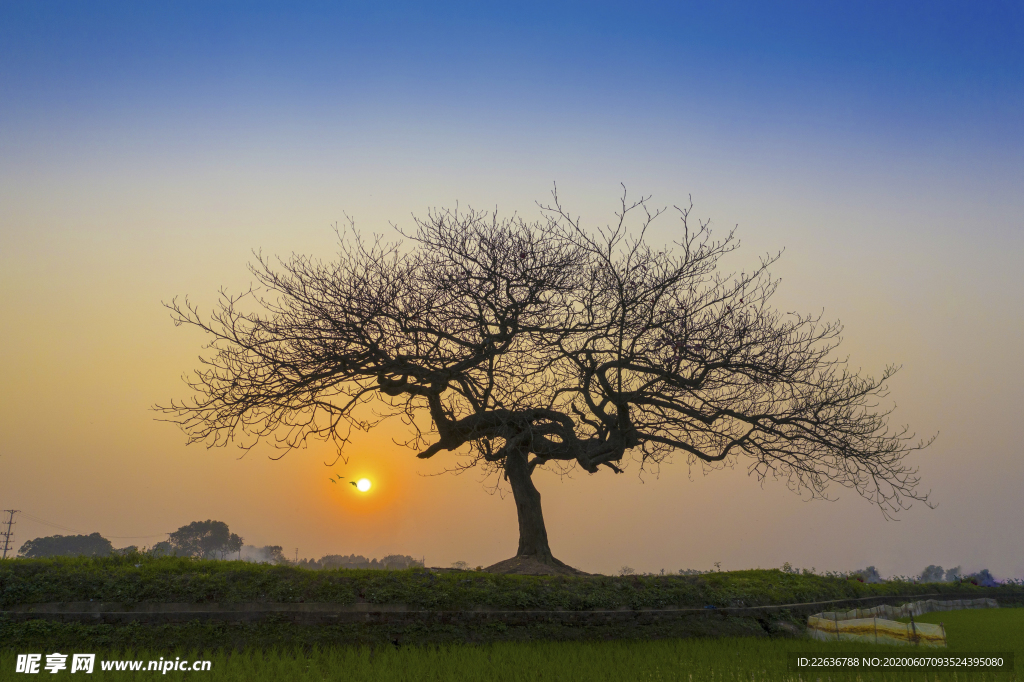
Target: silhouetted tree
{"x": 204, "y": 540}
{"x": 276, "y": 554}
{"x": 162, "y": 548}
{"x": 94, "y": 545}
{"x": 543, "y": 345}
{"x": 399, "y": 562}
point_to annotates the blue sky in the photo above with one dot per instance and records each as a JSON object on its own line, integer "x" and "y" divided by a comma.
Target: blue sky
{"x": 933, "y": 85}
{"x": 871, "y": 66}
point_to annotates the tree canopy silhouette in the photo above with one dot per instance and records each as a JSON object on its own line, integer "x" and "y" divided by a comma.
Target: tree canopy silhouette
{"x": 518, "y": 345}
{"x": 94, "y": 545}
{"x": 201, "y": 539}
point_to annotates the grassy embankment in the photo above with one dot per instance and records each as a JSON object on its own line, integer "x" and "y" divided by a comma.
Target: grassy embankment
{"x": 135, "y": 580}
{"x": 132, "y": 580}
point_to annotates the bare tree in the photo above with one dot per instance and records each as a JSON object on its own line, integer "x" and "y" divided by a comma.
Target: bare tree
{"x": 544, "y": 344}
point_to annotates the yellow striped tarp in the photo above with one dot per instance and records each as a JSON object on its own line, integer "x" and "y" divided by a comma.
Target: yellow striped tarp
{"x": 876, "y": 625}
{"x": 875, "y": 631}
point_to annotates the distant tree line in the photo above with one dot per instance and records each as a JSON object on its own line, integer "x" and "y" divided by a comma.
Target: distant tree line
{"x": 94, "y": 545}
{"x": 935, "y": 574}
{"x": 931, "y": 574}
{"x": 201, "y": 540}
{"x": 390, "y": 562}
{"x": 213, "y": 540}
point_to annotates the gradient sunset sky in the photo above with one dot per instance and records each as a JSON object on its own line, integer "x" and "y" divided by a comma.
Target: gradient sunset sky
{"x": 147, "y": 148}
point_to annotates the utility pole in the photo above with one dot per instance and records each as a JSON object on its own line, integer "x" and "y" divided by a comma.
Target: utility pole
{"x": 7, "y": 536}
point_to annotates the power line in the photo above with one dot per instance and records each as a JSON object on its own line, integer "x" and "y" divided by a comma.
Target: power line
{"x": 9, "y": 533}
{"x": 82, "y": 532}
{"x": 49, "y": 523}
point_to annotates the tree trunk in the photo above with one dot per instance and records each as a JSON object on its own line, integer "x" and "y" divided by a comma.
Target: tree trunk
{"x": 533, "y": 536}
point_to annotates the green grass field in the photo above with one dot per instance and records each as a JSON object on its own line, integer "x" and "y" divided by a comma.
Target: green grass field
{"x": 694, "y": 660}
{"x": 981, "y": 629}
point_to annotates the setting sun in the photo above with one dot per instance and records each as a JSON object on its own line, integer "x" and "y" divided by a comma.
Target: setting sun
{"x": 363, "y": 484}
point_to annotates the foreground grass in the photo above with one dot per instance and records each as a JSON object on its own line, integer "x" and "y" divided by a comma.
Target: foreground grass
{"x": 746, "y": 659}
{"x": 694, "y": 660}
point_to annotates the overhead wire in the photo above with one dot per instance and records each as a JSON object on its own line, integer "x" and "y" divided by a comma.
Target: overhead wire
{"x": 82, "y": 532}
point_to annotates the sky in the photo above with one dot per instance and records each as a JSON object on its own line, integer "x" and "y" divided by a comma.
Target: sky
{"x": 146, "y": 150}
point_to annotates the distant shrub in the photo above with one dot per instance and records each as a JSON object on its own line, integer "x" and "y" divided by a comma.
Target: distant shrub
{"x": 983, "y": 578}
{"x": 869, "y": 575}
